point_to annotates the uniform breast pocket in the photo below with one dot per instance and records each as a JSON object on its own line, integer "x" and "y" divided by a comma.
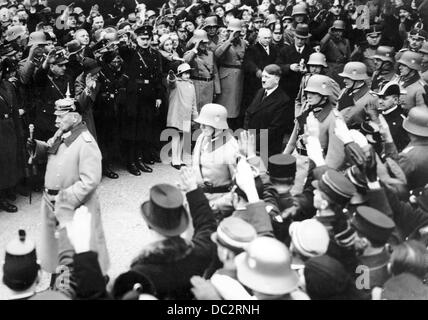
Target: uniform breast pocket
{"x": 224, "y": 74}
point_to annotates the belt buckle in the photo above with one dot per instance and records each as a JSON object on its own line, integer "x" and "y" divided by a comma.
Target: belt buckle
{"x": 146, "y": 81}
{"x": 6, "y": 116}
{"x": 208, "y": 184}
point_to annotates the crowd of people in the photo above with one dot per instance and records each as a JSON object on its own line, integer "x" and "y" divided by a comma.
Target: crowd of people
{"x": 308, "y": 176}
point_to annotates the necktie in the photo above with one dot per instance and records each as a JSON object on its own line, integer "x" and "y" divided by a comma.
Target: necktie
{"x": 264, "y": 95}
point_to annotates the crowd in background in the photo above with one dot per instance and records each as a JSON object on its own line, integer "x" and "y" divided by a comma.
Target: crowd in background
{"x": 320, "y": 194}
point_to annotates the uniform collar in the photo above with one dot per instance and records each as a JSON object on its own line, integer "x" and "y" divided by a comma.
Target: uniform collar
{"x": 323, "y": 113}
{"x": 361, "y": 92}
{"x": 389, "y": 111}
{"x": 410, "y": 80}
{"x": 74, "y": 133}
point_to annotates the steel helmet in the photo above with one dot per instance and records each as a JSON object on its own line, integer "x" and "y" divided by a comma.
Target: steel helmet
{"x": 214, "y": 115}
{"x": 317, "y": 59}
{"x": 417, "y": 121}
{"x": 355, "y": 71}
{"x": 198, "y": 36}
{"x": 338, "y": 25}
{"x": 37, "y": 38}
{"x": 319, "y": 84}
{"x": 411, "y": 59}
{"x": 265, "y": 267}
{"x": 385, "y": 53}
{"x": 235, "y": 25}
{"x": 299, "y": 9}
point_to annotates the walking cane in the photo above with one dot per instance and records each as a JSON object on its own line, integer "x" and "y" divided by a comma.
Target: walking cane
{"x": 30, "y": 160}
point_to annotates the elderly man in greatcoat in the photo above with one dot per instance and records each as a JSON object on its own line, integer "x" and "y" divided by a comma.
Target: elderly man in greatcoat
{"x": 73, "y": 174}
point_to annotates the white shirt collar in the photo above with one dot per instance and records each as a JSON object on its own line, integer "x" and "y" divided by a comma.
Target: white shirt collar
{"x": 299, "y": 50}
{"x": 269, "y": 92}
{"x": 389, "y": 110}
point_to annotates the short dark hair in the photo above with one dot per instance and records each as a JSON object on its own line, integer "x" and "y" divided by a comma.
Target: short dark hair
{"x": 273, "y": 69}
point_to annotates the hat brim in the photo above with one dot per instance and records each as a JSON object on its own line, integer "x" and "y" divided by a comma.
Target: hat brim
{"x": 382, "y": 58}
{"x": 95, "y": 70}
{"x": 146, "y": 209}
{"x": 272, "y": 285}
{"x": 303, "y": 37}
{"x": 414, "y": 129}
{"x": 184, "y": 71}
{"x": 361, "y": 78}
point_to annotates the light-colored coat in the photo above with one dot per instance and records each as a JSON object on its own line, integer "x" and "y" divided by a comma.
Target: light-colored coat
{"x": 214, "y": 162}
{"x": 182, "y": 104}
{"x": 203, "y": 66}
{"x": 415, "y": 93}
{"x": 75, "y": 170}
{"x": 231, "y": 79}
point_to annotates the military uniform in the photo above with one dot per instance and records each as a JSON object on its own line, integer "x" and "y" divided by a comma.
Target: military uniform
{"x": 70, "y": 157}
{"x": 380, "y": 78}
{"x": 50, "y": 89}
{"x": 9, "y": 171}
{"x": 230, "y": 58}
{"x": 352, "y": 105}
{"x": 204, "y": 75}
{"x": 143, "y": 67}
{"x": 414, "y": 162}
{"x": 414, "y": 87}
{"x": 108, "y": 103}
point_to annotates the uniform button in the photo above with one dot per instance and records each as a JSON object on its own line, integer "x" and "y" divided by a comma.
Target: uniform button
{"x": 58, "y": 175}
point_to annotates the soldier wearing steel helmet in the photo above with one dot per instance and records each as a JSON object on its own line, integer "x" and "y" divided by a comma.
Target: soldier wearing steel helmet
{"x": 356, "y": 95}
{"x": 317, "y": 64}
{"x": 413, "y": 159}
{"x": 214, "y": 156}
{"x": 336, "y": 48}
{"x": 409, "y": 66}
{"x": 318, "y": 93}
{"x": 204, "y": 73}
{"x": 384, "y": 67}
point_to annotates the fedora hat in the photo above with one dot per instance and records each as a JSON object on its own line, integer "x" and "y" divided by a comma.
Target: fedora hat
{"x": 302, "y": 31}
{"x": 164, "y": 212}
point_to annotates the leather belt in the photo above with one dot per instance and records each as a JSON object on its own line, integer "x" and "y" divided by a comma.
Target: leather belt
{"x": 51, "y": 192}
{"x": 207, "y": 188}
{"x": 231, "y": 66}
{"x": 203, "y": 79}
{"x": 302, "y": 152}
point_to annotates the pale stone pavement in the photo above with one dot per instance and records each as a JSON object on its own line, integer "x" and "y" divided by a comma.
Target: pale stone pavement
{"x": 125, "y": 229}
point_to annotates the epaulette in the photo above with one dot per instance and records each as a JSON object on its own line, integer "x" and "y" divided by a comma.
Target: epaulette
{"x": 87, "y": 137}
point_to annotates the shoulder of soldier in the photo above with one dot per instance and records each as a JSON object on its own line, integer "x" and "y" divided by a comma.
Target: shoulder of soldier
{"x": 87, "y": 137}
